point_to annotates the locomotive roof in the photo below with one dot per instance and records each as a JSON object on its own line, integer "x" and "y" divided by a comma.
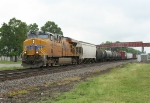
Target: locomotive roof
{"x": 37, "y": 32}
{"x": 73, "y": 40}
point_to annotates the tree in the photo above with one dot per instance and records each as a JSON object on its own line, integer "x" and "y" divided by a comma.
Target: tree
{"x": 107, "y": 42}
{"x": 117, "y": 41}
{"x": 5, "y": 39}
{"x": 52, "y": 27}
{"x": 33, "y": 27}
{"x": 12, "y": 36}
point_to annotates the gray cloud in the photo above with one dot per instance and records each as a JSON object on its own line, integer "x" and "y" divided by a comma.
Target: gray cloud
{"x": 93, "y": 21}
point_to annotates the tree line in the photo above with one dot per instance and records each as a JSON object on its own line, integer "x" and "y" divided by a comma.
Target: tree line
{"x": 13, "y": 33}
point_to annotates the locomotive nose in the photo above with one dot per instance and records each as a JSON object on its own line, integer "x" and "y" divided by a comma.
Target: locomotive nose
{"x": 31, "y": 59}
{"x": 34, "y": 46}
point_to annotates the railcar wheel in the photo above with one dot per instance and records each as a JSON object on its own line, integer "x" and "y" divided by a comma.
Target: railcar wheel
{"x": 41, "y": 66}
{"x": 47, "y": 65}
{"x": 51, "y": 64}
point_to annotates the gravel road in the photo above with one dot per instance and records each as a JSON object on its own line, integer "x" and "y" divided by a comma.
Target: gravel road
{"x": 10, "y": 65}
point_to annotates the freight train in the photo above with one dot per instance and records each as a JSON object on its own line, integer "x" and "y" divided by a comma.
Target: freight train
{"x": 47, "y": 49}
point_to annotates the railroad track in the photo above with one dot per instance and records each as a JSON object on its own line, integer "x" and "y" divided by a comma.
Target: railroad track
{"x": 24, "y": 73}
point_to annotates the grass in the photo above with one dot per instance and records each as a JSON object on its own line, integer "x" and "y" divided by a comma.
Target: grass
{"x": 130, "y": 84}
{"x": 10, "y": 62}
{"x": 10, "y": 68}
{"x": 66, "y": 81}
{"x": 22, "y": 92}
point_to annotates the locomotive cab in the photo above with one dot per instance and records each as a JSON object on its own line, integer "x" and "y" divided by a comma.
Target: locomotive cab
{"x": 35, "y": 48}
{"x": 45, "y": 49}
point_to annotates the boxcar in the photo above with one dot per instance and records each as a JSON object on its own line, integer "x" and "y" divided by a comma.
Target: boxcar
{"x": 134, "y": 56}
{"x": 129, "y": 55}
{"x": 123, "y": 55}
{"x": 109, "y": 55}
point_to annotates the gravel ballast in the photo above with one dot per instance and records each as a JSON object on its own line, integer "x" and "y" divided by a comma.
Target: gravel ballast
{"x": 40, "y": 80}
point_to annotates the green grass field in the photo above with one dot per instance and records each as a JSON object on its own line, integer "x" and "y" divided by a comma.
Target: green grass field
{"x": 10, "y": 68}
{"x": 130, "y": 84}
{"x": 10, "y": 62}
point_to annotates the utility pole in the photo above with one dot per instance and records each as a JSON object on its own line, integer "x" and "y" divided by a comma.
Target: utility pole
{"x": 142, "y": 48}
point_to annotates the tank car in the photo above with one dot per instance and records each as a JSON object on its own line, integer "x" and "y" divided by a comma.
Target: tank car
{"x": 114, "y": 55}
{"x": 46, "y": 49}
{"x": 100, "y": 54}
{"x": 118, "y": 55}
{"x": 105, "y": 55}
{"x": 109, "y": 55}
{"x": 86, "y": 52}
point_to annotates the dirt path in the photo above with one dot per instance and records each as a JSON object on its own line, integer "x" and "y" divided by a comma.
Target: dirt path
{"x": 10, "y": 65}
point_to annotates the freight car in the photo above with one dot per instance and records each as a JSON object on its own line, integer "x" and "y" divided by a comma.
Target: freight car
{"x": 129, "y": 55}
{"x": 100, "y": 55}
{"x": 134, "y": 56}
{"x": 106, "y": 55}
{"x": 86, "y": 52}
{"x": 123, "y": 55}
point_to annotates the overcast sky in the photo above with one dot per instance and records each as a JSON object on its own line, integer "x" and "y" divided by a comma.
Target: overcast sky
{"x": 93, "y": 21}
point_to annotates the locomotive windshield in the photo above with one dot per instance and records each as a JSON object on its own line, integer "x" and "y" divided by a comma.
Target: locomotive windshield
{"x": 32, "y": 36}
{"x": 42, "y": 35}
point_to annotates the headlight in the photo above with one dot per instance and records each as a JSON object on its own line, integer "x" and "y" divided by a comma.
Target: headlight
{"x": 37, "y": 52}
{"x": 25, "y": 52}
{"x": 33, "y": 41}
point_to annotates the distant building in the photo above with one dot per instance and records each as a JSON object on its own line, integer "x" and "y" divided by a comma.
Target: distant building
{"x": 142, "y": 58}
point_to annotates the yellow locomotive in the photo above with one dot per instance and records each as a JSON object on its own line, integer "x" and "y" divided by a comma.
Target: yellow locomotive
{"x": 46, "y": 49}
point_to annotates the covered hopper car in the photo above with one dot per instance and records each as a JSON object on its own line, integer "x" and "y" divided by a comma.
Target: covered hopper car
{"x": 86, "y": 52}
